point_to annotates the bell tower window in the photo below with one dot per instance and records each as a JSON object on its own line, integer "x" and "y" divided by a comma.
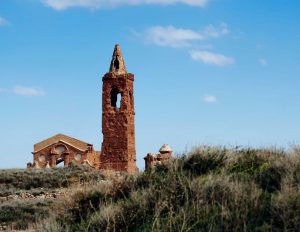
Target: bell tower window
{"x": 115, "y": 98}
{"x": 116, "y": 63}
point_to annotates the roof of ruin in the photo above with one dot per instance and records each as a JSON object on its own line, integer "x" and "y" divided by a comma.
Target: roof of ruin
{"x": 63, "y": 138}
{"x": 165, "y": 148}
{"x": 117, "y": 65}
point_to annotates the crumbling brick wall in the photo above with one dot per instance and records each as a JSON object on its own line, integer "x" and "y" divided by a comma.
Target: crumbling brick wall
{"x": 118, "y": 148}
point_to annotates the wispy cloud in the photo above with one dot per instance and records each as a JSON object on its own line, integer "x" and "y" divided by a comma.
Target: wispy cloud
{"x": 215, "y": 32}
{"x": 96, "y": 4}
{"x": 3, "y": 21}
{"x": 28, "y": 91}
{"x": 210, "y": 99}
{"x": 181, "y": 37}
{"x": 263, "y": 62}
{"x": 171, "y": 36}
{"x": 212, "y": 58}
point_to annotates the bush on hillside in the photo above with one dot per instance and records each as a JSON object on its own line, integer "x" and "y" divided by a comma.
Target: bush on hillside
{"x": 270, "y": 178}
{"x": 204, "y": 159}
{"x": 15, "y": 180}
{"x": 209, "y": 189}
{"x": 20, "y": 214}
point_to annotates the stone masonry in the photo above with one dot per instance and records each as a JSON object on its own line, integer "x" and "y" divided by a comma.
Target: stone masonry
{"x": 63, "y": 149}
{"x": 152, "y": 160}
{"x": 118, "y": 147}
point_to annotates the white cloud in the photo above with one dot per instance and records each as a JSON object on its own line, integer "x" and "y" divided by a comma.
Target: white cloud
{"x": 200, "y": 3}
{"x": 180, "y": 37}
{"x": 215, "y": 32}
{"x": 3, "y": 21}
{"x": 64, "y": 4}
{"x": 171, "y": 36}
{"x": 263, "y": 62}
{"x": 212, "y": 58}
{"x": 210, "y": 98}
{"x": 28, "y": 91}
{"x": 95, "y": 4}
{"x": 183, "y": 37}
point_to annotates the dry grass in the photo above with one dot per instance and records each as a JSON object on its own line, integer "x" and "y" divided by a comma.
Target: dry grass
{"x": 17, "y": 212}
{"x": 208, "y": 189}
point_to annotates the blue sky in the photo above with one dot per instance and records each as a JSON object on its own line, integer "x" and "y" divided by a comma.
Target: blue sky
{"x": 216, "y": 72}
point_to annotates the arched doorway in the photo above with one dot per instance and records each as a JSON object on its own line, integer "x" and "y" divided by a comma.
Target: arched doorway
{"x": 59, "y": 155}
{"x": 60, "y": 162}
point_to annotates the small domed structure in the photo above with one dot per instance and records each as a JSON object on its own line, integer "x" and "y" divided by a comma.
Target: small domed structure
{"x": 165, "y": 154}
{"x": 165, "y": 149}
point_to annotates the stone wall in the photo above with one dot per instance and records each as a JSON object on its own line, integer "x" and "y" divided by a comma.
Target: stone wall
{"x": 118, "y": 147}
{"x": 49, "y": 156}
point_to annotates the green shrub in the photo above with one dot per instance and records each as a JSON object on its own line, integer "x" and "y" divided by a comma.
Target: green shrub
{"x": 269, "y": 179}
{"x": 20, "y": 214}
{"x": 86, "y": 205}
{"x": 12, "y": 181}
{"x": 202, "y": 160}
{"x": 287, "y": 208}
{"x": 209, "y": 189}
{"x": 248, "y": 162}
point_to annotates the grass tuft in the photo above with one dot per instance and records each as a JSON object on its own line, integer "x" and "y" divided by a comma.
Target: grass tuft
{"x": 207, "y": 189}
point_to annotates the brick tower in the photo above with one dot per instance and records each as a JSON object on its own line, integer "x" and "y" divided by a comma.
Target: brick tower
{"x": 118, "y": 146}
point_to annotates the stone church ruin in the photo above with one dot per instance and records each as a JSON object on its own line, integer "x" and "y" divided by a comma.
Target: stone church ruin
{"x": 118, "y": 152}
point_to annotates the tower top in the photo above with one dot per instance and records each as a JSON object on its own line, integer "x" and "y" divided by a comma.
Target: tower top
{"x": 117, "y": 65}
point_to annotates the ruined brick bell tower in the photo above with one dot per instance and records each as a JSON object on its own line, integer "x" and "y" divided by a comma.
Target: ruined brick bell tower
{"x": 118, "y": 147}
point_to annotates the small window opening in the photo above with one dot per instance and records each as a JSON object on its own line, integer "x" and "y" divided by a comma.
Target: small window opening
{"x": 116, "y": 98}
{"x": 116, "y": 63}
{"x": 119, "y": 97}
{"x": 60, "y": 162}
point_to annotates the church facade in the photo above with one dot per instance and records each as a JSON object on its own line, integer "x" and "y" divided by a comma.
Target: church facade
{"x": 118, "y": 151}
{"x": 63, "y": 149}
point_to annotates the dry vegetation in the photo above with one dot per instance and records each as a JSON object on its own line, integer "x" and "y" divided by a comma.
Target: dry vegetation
{"x": 27, "y": 196}
{"x": 208, "y": 189}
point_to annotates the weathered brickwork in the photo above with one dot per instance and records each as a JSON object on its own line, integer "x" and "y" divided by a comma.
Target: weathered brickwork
{"x": 63, "y": 149}
{"x": 118, "y": 147}
{"x": 152, "y": 160}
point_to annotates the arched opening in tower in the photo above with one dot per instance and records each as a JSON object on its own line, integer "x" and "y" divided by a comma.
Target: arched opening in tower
{"x": 115, "y": 98}
{"x": 116, "y": 63}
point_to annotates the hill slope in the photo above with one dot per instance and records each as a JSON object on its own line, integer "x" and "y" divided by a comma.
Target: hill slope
{"x": 208, "y": 189}
{"x": 28, "y": 196}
